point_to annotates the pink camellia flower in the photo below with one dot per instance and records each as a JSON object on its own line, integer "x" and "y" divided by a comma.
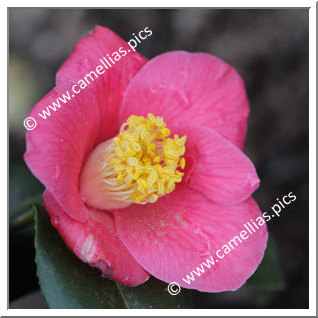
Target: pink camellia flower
{"x": 143, "y": 170}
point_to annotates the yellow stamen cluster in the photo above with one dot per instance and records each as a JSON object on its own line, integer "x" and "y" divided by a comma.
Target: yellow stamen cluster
{"x": 145, "y": 160}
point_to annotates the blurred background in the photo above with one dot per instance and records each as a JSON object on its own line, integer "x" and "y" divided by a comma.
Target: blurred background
{"x": 268, "y": 47}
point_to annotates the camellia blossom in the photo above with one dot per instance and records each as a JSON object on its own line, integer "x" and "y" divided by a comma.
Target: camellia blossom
{"x": 144, "y": 170}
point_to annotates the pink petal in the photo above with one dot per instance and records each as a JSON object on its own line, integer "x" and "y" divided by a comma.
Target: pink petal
{"x": 175, "y": 235}
{"x": 110, "y": 86}
{"x": 58, "y": 146}
{"x": 97, "y": 243}
{"x": 220, "y": 171}
{"x": 187, "y": 88}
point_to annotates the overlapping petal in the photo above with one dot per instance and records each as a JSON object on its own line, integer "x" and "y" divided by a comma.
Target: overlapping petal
{"x": 96, "y": 243}
{"x": 219, "y": 170}
{"x": 58, "y": 146}
{"x": 109, "y": 88}
{"x": 186, "y": 88}
{"x": 172, "y": 237}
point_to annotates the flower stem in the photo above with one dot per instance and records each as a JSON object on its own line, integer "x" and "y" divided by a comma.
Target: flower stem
{"x": 22, "y": 220}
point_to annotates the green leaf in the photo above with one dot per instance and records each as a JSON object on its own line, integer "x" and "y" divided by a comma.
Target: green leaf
{"x": 268, "y": 275}
{"x": 67, "y": 282}
{"x": 24, "y": 189}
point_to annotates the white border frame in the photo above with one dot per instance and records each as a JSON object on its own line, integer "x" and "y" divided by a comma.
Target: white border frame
{"x": 312, "y": 160}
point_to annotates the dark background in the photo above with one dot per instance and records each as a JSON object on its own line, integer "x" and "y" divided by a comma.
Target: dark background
{"x": 269, "y": 48}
